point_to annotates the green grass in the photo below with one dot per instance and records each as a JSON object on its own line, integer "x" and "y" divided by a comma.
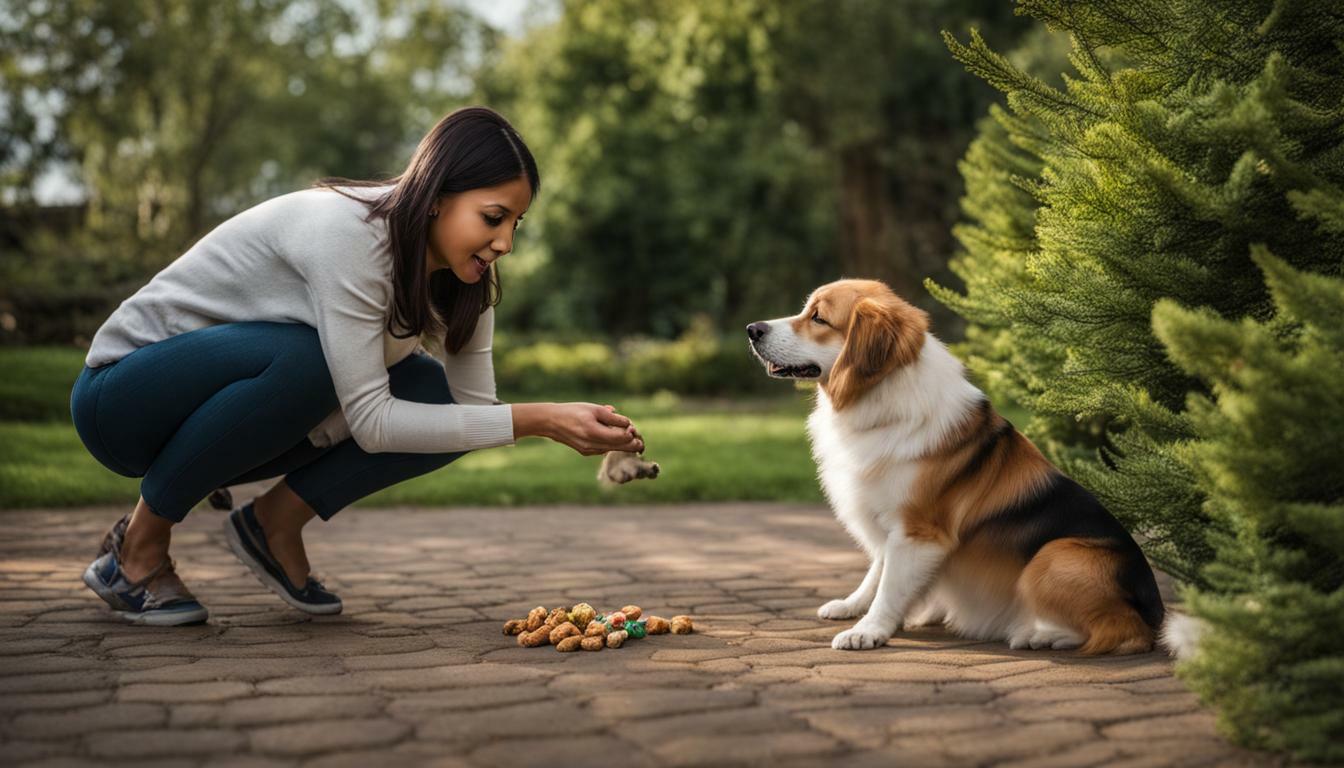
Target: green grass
{"x": 35, "y": 382}
{"x": 709, "y": 450}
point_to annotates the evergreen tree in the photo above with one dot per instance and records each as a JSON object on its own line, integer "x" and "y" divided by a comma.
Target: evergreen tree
{"x": 1171, "y": 150}
{"x": 1268, "y": 458}
{"x": 1189, "y": 134}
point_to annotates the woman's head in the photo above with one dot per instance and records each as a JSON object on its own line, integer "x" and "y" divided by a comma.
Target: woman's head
{"x": 464, "y": 191}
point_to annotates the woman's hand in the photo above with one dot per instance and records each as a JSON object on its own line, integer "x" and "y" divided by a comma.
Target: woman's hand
{"x": 587, "y": 428}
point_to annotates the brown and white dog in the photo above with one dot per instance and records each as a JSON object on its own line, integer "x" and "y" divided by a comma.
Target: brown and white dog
{"x": 965, "y": 522}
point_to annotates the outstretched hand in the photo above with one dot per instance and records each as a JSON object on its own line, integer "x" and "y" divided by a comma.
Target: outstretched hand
{"x": 588, "y": 428}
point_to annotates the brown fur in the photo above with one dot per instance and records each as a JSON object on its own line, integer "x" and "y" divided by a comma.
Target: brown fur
{"x": 881, "y": 333}
{"x": 1072, "y": 582}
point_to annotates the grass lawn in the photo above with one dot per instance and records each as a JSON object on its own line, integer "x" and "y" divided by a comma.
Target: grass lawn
{"x": 709, "y": 450}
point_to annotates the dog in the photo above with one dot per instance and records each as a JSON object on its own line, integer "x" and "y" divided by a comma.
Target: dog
{"x": 965, "y": 522}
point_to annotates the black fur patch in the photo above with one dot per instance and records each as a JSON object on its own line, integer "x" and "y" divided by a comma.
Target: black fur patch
{"x": 1065, "y": 509}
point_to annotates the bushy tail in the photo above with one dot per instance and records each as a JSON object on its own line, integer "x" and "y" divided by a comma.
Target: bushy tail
{"x": 1181, "y": 633}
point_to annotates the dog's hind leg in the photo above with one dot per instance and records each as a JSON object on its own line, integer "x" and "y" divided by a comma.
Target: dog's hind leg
{"x": 930, "y": 612}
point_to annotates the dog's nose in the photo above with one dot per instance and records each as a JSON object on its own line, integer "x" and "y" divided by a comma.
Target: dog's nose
{"x": 756, "y": 330}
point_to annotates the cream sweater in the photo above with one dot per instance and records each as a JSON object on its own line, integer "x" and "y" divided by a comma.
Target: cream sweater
{"x": 308, "y": 257}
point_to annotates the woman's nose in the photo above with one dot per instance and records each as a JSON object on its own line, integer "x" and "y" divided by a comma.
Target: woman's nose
{"x": 502, "y": 245}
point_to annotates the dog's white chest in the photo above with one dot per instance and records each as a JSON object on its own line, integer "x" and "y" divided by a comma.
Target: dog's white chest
{"x": 862, "y": 478}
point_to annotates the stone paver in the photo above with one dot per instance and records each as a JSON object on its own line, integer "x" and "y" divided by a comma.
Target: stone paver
{"x": 417, "y": 672}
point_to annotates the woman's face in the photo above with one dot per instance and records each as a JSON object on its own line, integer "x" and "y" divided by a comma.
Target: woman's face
{"x": 475, "y": 227}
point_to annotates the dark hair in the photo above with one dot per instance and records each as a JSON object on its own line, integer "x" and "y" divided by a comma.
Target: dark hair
{"x": 470, "y": 148}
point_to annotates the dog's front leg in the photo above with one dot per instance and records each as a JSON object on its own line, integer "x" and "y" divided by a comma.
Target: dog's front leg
{"x": 862, "y": 596}
{"x": 907, "y": 570}
{"x": 873, "y": 540}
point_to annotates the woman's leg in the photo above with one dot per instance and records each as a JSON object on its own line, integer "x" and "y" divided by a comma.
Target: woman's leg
{"x": 344, "y": 473}
{"x": 191, "y": 411}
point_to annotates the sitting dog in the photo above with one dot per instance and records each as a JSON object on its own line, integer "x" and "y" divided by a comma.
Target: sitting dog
{"x": 963, "y": 519}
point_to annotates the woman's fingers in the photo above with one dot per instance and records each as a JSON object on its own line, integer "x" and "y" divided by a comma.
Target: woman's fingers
{"x": 608, "y": 415}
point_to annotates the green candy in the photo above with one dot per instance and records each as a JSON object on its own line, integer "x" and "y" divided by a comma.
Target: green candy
{"x": 636, "y": 629}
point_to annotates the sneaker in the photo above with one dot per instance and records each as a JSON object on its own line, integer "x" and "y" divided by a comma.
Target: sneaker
{"x": 159, "y": 599}
{"x": 248, "y": 542}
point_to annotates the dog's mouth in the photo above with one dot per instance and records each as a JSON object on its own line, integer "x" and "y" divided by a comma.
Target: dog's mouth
{"x": 781, "y": 371}
{"x": 809, "y": 371}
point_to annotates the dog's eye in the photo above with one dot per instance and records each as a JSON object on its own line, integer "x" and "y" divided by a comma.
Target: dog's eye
{"x": 816, "y": 318}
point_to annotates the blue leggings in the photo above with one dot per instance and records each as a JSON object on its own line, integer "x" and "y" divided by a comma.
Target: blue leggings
{"x": 234, "y": 403}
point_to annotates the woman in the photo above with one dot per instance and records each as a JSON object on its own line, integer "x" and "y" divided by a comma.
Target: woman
{"x": 287, "y": 342}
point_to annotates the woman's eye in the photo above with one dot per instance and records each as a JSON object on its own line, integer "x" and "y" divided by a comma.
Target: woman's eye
{"x": 816, "y": 318}
{"x": 493, "y": 221}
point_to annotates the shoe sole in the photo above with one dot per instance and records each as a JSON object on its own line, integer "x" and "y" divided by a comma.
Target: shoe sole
{"x": 258, "y": 570}
{"x": 149, "y": 618}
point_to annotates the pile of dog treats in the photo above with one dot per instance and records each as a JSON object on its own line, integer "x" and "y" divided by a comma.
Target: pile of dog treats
{"x": 570, "y": 629}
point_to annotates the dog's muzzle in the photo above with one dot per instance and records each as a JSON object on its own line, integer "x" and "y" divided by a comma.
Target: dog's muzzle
{"x": 756, "y": 333}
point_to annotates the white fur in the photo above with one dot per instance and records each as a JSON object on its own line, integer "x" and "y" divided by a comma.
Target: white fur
{"x": 868, "y": 459}
{"x": 1181, "y": 634}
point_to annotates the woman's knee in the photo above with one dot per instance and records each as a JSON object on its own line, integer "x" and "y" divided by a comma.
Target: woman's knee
{"x": 419, "y": 379}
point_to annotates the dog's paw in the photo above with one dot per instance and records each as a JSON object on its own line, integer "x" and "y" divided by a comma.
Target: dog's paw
{"x": 861, "y": 637}
{"x": 838, "y": 609}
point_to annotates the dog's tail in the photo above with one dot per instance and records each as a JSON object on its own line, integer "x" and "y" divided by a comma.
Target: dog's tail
{"x": 1181, "y": 634}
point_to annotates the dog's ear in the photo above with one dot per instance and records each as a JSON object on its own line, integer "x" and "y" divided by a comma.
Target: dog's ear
{"x": 883, "y": 336}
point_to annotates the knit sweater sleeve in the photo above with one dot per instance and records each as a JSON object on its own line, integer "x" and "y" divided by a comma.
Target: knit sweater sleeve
{"x": 348, "y": 276}
{"x": 471, "y": 372}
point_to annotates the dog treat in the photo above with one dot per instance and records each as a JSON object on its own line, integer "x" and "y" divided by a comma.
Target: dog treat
{"x": 582, "y": 627}
{"x": 563, "y": 631}
{"x": 535, "y": 618}
{"x": 534, "y": 639}
{"x": 581, "y": 614}
{"x": 621, "y": 467}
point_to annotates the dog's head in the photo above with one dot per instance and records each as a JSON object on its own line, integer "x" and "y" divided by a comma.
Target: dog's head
{"x": 850, "y": 335}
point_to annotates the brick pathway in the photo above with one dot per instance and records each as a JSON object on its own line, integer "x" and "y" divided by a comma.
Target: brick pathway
{"x": 416, "y": 671}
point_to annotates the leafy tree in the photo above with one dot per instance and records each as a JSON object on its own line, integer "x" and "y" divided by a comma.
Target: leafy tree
{"x": 670, "y": 189}
{"x": 723, "y": 158}
{"x": 174, "y": 116}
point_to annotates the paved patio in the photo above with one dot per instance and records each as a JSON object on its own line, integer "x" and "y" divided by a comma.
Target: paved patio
{"x": 416, "y": 671}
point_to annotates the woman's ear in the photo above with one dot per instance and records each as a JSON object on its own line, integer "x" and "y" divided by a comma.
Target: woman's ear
{"x": 883, "y": 336}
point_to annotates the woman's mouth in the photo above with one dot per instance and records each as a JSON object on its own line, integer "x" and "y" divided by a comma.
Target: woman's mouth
{"x": 481, "y": 264}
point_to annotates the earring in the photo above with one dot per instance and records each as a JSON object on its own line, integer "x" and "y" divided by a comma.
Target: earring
{"x": 433, "y": 214}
